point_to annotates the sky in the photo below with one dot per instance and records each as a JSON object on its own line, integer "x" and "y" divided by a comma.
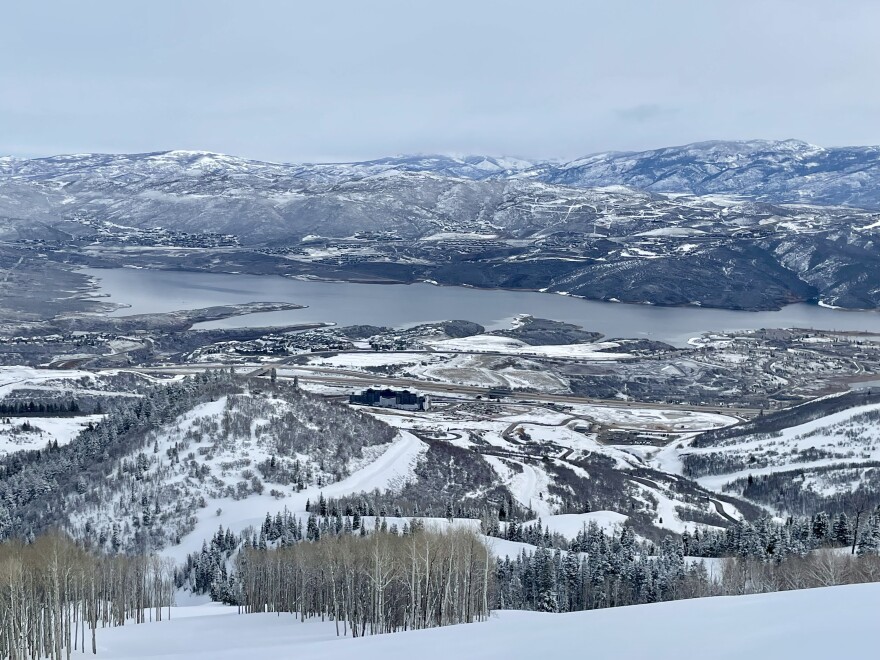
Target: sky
{"x": 352, "y": 80}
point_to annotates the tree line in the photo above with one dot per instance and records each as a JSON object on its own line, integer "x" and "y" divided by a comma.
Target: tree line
{"x": 21, "y": 408}
{"x": 559, "y": 581}
{"x": 54, "y": 595}
{"x": 365, "y": 576}
{"x": 384, "y": 582}
{"x": 765, "y": 539}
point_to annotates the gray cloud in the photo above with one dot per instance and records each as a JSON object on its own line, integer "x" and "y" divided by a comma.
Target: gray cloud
{"x": 644, "y": 112}
{"x": 348, "y": 79}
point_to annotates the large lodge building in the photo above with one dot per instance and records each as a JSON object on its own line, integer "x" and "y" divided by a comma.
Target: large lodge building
{"x": 401, "y": 400}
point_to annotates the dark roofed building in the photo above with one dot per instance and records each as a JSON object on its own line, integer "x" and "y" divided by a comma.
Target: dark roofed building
{"x": 388, "y": 398}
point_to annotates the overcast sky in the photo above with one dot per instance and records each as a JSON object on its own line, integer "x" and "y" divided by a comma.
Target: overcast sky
{"x": 319, "y": 81}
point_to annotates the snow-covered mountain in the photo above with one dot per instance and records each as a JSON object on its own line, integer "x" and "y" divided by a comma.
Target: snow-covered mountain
{"x": 483, "y": 221}
{"x": 776, "y": 171}
{"x": 161, "y": 165}
{"x": 466, "y": 166}
{"x": 788, "y": 171}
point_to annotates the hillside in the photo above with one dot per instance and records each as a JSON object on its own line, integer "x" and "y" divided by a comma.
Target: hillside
{"x": 822, "y": 455}
{"x": 601, "y": 227}
{"x": 167, "y": 463}
{"x": 787, "y": 171}
{"x": 815, "y": 623}
{"x": 160, "y": 465}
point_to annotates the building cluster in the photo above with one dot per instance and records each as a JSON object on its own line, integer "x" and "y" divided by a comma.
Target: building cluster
{"x": 387, "y": 398}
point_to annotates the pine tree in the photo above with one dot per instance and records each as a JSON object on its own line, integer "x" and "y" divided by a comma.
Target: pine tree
{"x": 842, "y": 532}
{"x": 313, "y": 533}
{"x": 869, "y": 540}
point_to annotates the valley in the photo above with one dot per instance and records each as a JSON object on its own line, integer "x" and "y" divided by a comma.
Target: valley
{"x": 439, "y": 330}
{"x": 531, "y": 228}
{"x": 199, "y": 396}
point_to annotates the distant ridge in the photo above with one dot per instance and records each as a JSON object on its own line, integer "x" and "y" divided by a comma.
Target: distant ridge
{"x": 775, "y": 171}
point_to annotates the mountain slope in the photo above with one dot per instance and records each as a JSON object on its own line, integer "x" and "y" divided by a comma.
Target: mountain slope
{"x": 786, "y": 171}
{"x": 475, "y": 221}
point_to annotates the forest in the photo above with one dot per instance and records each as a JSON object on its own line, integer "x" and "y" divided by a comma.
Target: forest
{"x": 380, "y": 583}
{"x": 596, "y": 569}
{"x": 135, "y": 480}
{"x": 31, "y": 408}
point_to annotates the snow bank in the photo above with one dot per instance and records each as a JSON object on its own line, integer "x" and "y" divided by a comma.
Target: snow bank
{"x": 46, "y": 429}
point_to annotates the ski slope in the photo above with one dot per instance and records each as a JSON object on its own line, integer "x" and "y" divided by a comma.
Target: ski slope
{"x": 389, "y": 469}
{"x": 812, "y": 624}
{"x": 569, "y": 524}
{"x": 849, "y": 436}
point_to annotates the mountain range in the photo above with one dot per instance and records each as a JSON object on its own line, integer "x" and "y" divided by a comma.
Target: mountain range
{"x": 750, "y": 225}
{"x": 786, "y": 171}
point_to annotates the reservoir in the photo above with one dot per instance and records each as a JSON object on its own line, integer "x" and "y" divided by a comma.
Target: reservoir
{"x": 394, "y": 305}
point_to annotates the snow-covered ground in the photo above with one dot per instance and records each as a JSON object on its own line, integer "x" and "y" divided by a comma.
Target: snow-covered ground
{"x": 21, "y": 433}
{"x": 509, "y": 346}
{"x": 359, "y": 360}
{"x": 655, "y": 418}
{"x": 562, "y": 434}
{"x": 529, "y": 486}
{"x": 491, "y": 371}
{"x": 487, "y": 370}
{"x": 810, "y": 624}
{"x": 13, "y": 378}
{"x": 393, "y": 465}
{"x": 569, "y": 524}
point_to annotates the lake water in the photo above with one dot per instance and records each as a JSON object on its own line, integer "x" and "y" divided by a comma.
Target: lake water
{"x": 345, "y": 303}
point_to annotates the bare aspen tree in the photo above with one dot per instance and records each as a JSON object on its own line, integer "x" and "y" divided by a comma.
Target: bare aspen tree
{"x": 52, "y": 590}
{"x": 377, "y": 584}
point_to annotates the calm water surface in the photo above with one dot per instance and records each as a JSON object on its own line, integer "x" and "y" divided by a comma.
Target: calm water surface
{"x": 344, "y": 303}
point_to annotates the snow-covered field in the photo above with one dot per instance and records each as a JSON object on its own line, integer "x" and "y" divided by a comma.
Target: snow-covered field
{"x": 22, "y": 433}
{"x": 509, "y": 346}
{"x": 359, "y": 360}
{"x": 12, "y": 378}
{"x": 492, "y": 371}
{"x": 654, "y": 418}
{"x": 810, "y": 624}
{"x": 459, "y": 369}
